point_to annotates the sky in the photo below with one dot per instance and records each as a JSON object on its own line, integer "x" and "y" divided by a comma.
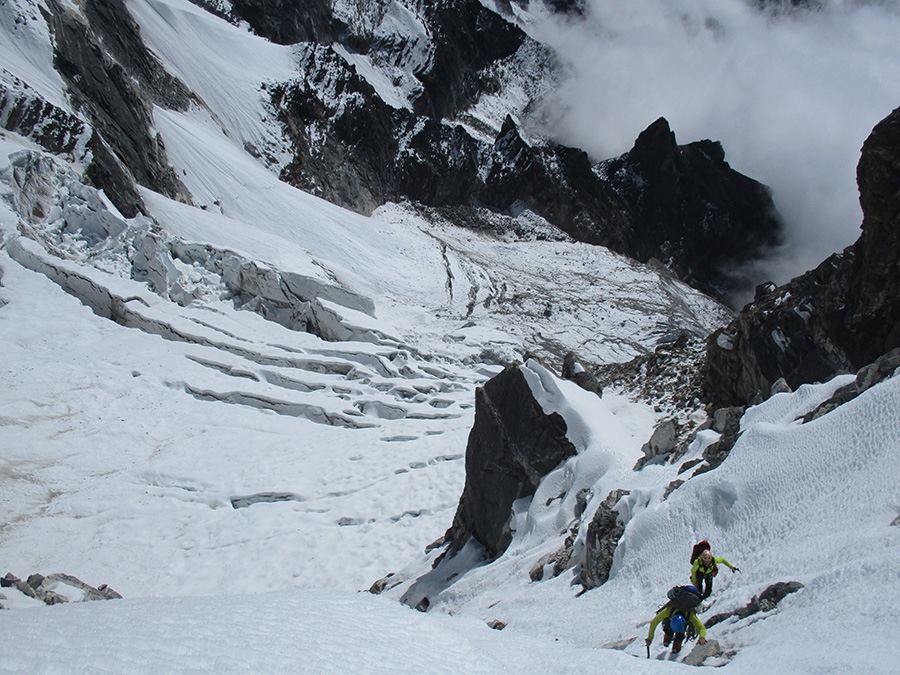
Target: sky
{"x": 128, "y": 449}
{"x": 791, "y": 97}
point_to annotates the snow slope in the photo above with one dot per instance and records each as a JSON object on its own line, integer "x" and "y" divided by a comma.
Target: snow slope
{"x": 239, "y": 482}
{"x": 815, "y": 503}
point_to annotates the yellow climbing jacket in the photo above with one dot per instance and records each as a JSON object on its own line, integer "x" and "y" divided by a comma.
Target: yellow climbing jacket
{"x": 666, "y": 612}
{"x": 699, "y": 570}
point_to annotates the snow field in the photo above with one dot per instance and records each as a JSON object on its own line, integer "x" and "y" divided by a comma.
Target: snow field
{"x": 121, "y": 453}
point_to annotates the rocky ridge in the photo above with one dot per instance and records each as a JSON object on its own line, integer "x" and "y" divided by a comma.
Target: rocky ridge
{"x": 56, "y": 588}
{"x": 113, "y": 81}
{"x": 681, "y": 205}
{"x": 837, "y": 318}
{"x": 402, "y": 102}
{"x": 690, "y": 209}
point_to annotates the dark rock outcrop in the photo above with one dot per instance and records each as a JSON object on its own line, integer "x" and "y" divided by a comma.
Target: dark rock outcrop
{"x": 872, "y": 318}
{"x": 566, "y": 6}
{"x": 121, "y": 38}
{"x": 690, "y": 209}
{"x": 867, "y": 377}
{"x": 834, "y": 319}
{"x": 575, "y": 7}
{"x": 286, "y": 22}
{"x": 791, "y": 333}
{"x": 600, "y": 543}
{"x": 513, "y": 444}
{"x": 574, "y": 370}
{"x": 466, "y": 39}
{"x": 123, "y": 145}
{"x": 41, "y": 588}
{"x": 346, "y": 139}
{"x": 27, "y": 114}
{"x": 556, "y": 182}
{"x": 764, "y": 602}
{"x": 352, "y": 148}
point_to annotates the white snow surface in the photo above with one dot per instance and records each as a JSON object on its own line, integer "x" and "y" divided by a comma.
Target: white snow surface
{"x": 240, "y": 483}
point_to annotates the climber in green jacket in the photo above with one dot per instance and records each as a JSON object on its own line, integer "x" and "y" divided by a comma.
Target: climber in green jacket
{"x": 705, "y": 567}
{"x": 674, "y": 621}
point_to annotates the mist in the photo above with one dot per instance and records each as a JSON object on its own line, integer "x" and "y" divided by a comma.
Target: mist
{"x": 791, "y": 95}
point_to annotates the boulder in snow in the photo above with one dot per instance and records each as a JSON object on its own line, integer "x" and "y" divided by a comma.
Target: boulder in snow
{"x": 513, "y": 444}
{"x": 602, "y": 538}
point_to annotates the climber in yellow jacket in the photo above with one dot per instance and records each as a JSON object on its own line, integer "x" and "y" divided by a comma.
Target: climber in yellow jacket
{"x": 674, "y": 621}
{"x": 705, "y": 567}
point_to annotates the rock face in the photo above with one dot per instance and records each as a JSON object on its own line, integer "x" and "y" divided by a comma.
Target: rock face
{"x": 57, "y": 588}
{"x": 764, "y": 602}
{"x": 575, "y": 7}
{"x": 46, "y": 124}
{"x": 285, "y": 22}
{"x": 556, "y": 182}
{"x": 468, "y": 40}
{"x": 513, "y": 444}
{"x": 600, "y": 544}
{"x": 873, "y": 304}
{"x": 124, "y": 147}
{"x": 834, "y": 319}
{"x": 352, "y": 148}
{"x": 465, "y": 39}
{"x": 690, "y": 209}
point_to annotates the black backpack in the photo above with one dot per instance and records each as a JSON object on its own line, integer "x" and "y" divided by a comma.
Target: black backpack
{"x": 683, "y": 597}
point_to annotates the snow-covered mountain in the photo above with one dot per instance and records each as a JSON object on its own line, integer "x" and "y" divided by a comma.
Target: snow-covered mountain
{"x": 238, "y": 404}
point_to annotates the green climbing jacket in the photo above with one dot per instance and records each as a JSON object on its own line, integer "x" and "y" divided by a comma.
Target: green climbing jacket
{"x": 667, "y": 612}
{"x": 698, "y": 570}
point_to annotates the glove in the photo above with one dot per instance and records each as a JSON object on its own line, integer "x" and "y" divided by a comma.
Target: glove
{"x": 735, "y": 569}
{"x": 647, "y": 642}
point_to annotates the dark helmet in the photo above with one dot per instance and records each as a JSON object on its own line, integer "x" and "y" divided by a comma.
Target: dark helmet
{"x": 677, "y": 623}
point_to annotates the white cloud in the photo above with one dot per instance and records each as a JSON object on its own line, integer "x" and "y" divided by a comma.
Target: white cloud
{"x": 792, "y": 97}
